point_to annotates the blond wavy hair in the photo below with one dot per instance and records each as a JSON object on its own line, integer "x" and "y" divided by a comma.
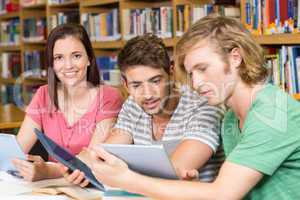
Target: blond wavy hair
{"x": 225, "y": 34}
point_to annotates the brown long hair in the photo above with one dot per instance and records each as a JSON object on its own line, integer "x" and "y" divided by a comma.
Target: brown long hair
{"x": 61, "y": 32}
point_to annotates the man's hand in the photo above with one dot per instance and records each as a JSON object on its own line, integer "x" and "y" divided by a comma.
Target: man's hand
{"x": 108, "y": 168}
{"x": 189, "y": 175}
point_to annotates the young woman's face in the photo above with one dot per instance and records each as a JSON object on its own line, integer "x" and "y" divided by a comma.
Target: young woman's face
{"x": 70, "y": 61}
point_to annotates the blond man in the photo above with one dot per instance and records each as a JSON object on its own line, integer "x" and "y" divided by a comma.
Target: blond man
{"x": 260, "y": 129}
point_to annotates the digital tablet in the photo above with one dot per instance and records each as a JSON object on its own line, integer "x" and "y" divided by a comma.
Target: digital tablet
{"x": 9, "y": 149}
{"x": 151, "y": 160}
{"x": 67, "y": 159}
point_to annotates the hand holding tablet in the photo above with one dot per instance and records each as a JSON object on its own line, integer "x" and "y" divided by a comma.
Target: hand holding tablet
{"x": 10, "y": 149}
{"x": 67, "y": 159}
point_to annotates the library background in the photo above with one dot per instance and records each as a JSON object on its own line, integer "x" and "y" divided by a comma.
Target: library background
{"x": 24, "y": 25}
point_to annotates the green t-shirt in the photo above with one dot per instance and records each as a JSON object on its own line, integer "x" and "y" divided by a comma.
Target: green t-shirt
{"x": 269, "y": 143}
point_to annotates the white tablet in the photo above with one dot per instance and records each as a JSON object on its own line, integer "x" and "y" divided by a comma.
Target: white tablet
{"x": 151, "y": 160}
{"x": 9, "y": 150}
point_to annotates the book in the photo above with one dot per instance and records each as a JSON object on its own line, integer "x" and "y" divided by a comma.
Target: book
{"x": 102, "y": 26}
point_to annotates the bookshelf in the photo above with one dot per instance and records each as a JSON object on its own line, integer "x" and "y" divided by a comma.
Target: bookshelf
{"x": 9, "y": 44}
{"x": 89, "y": 11}
{"x": 33, "y": 38}
{"x": 9, "y": 48}
{"x": 9, "y": 15}
{"x": 90, "y": 3}
{"x": 279, "y": 39}
{"x": 62, "y": 13}
{"x": 8, "y": 80}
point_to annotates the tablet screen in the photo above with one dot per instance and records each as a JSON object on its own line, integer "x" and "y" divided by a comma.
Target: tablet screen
{"x": 62, "y": 153}
{"x": 9, "y": 150}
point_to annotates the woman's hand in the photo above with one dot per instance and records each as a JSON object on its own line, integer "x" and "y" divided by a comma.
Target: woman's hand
{"x": 32, "y": 169}
{"x": 76, "y": 177}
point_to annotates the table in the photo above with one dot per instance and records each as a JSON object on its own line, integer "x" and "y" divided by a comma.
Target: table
{"x": 12, "y": 188}
{"x": 10, "y": 116}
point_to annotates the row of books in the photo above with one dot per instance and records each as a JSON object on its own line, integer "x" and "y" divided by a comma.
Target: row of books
{"x": 34, "y": 29}
{"x": 16, "y": 94}
{"x": 10, "y": 32}
{"x": 187, "y": 14}
{"x": 284, "y": 65}
{"x": 11, "y": 64}
{"x": 51, "y": 2}
{"x": 71, "y": 16}
{"x": 272, "y": 16}
{"x": 7, "y": 6}
{"x": 148, "y": 20}
{"x": 7, "y": 94}
{"x": 102, "y": 27}
{"x": 108, "y": 68}
{"x": 34, "y": 64}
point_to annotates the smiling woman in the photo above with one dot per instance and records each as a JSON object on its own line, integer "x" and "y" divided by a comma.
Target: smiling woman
{"x": 70, "y": 61}
{"x": 74, "y": 109}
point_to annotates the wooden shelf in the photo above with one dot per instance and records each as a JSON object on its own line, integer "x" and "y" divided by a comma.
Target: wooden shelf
{"x": 9, "y": 15}
{"x": 34, "y": 6}
{"x": 145, "y": 4}
{"x": 10, "y": 116}
{"x": 278, "y": 39}
{"x": 89, "y": 3}
{"x": 35, "y": 79}
{"x": 10, "y": 48}
{"x": 182, "y": 2}
{"x": 108, "y": 45}
{"x": 26, "y": 81}
{"x": 169, "y": 42}
{"x": 297, "y": 97}
{"x": 33, "y": 42}
{"x": 69, "y": 4}
{"x": 7, "y": 81}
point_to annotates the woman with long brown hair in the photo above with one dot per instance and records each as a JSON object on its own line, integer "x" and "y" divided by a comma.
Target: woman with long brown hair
{"x": 74, "y": 109}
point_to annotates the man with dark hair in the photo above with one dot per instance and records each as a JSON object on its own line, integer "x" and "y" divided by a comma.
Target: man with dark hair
{"x": 156, "y": 113}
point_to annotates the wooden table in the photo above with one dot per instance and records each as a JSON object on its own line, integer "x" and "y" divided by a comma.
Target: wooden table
{"x": 10, "y": 116}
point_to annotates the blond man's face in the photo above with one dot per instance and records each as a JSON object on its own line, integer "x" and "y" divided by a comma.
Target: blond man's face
{"x": 211, "y": 77}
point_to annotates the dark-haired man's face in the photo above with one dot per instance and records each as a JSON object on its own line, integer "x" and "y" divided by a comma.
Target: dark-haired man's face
{"x": 149, "y": 87}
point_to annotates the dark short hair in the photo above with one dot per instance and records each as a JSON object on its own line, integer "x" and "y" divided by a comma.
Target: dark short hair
{"x": 61, "y": 32}
{"x": 146, "y": 50}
